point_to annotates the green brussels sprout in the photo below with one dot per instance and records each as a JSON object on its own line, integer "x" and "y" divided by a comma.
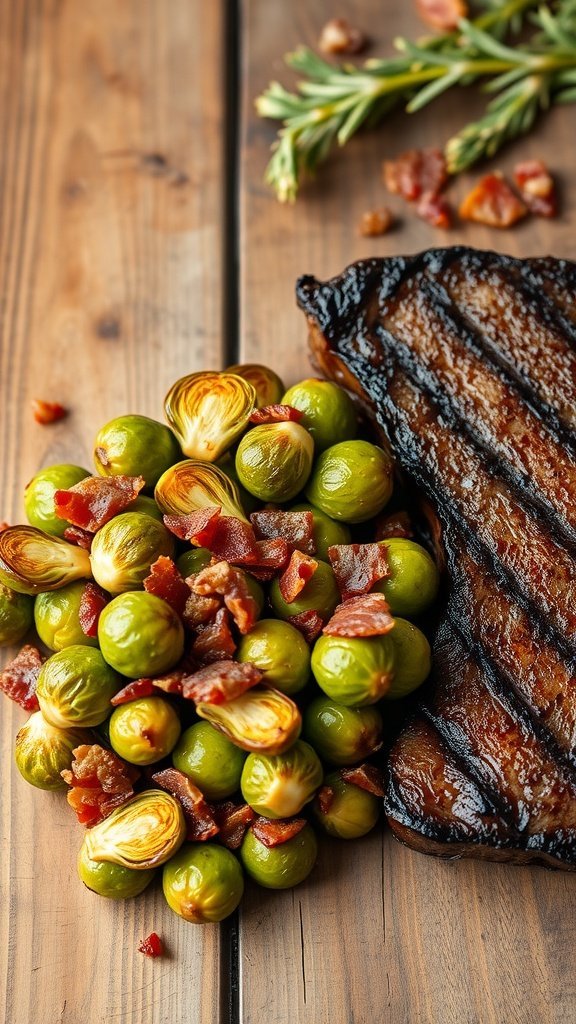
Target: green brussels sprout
{"x": 212, "y": 762}
{"x": 267, "y": 384}
{"x": 32, "y": 562}
{"x": 353, "y": 811}
{"x": 412, "y": 659}
{"x": 124, "y": 549}
{"x": 147, "y": 505}
{"x": 191, "y": 485}
{"x": 354, "y": 672}
{"x": 42, "y": 751}
{"x": 328, "y": 411}
{"x": 203, "y": 883}
{"x": 320, "y": 594}
{"x": 326, "y": 531}
{"x": 56, "y": 616}
{"x": 39, "y": 496}
{"x": 111, "y": 880}
{"x": 228, "y": 467}
{"x": 280, "y": 651}
{"x": 141, "y": 834}
{"x": 261, "y": 720}
{"x": 414, "y": 579}
{"x": 342, "y": 735}
{"x": 283, "y": 866}
{"x": 274, "y": 460}
{"x": 208, "y": 411}
{"x": 135, "y": 446}
{"x": 75, "y": 687}
{"x": 279, "y": 786}
{"x": 140, "y": 635}
{"x": 193, "y": 561}
{"x": 16, "y": 615}
{"x": 144, "y": 731}
{"x": 351, "y": 481}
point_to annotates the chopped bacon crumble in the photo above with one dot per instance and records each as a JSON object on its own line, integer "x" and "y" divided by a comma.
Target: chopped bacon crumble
{"x": 398, "y": 524}
{"x": 536, "y": 186}
{"x": 366, "y": 615}
{"x": 492, "y": 202}
{"x": 365, "y": 776}
{"x": 375, "y": 223}
{"x": 20, "y": 677}
{"x": 151, "y": 946}
{"x": 299, "y": 571}
{"x": 357, "y": 567}
{"x": 325, "y": 797}
{"x": 339, "y": 37}
{"x": 309, "y": 623}
{"x": 275, "y": 832}
{"x": 95, "y": 500}
{"x": 47, "y": 412}
{"x": 199, "y": 820}
{"x": 220, "y": 682}
{"x": 100, "y": 783}
{"x": 232, "y": 821}
{"x": 443, "y": 15}
{"x": 416, "y": 173}
{"x": 133, "y": 691}
{"x": 214, "y": 641}
{"x": 276, "y": 414}
{"x": 92, "y": 603}
{"x": 226, "y": 581}
{"x": 81, "y": 538}
{"x": 166, "y": 582}
{"x": 296, "y": 528}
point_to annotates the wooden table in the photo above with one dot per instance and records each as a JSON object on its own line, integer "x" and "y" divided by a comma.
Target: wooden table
{"x": 138, "y": 243}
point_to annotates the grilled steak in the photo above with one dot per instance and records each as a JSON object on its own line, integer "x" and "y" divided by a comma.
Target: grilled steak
{"x": 466, "y": 361}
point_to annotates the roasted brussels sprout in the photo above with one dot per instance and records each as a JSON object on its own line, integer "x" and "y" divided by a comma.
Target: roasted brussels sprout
{"x": 140, "y": 635}
{"x": 75, "y": 687}
{"x": 141, "y": 834}
{"x": 328, "y": 411}
{"x": 279, "y": 786}
{"x": 111, "y": 880}
{"x": 191, "y": 485}
{"x": 56, "y": 616}
{"x": 212, "y": 762}
{"x": 320, "y": 594}
{"x": 203, "y": 883}
{"x": 124, "y": 549}
{"x": 39, "y": 496}
{"x": 280, "y": 651}
{"x": 326, "y": 531}
{"x": 135, "y": 446}
{"x": 193, "y": 561}
{"x": 353, "y": 811}
{"x": 144, "y": 731}
{"x": 259, "y": 720}
{"x": 413, "y": 581}
{"x": 228, "y": 466}
{"x": 354, "y": 672}
{"x": 16, "y": 615}
{"x": 351, "y": 481}
{"x": 340, "y": 734}
{"x": 283, "y": 866}
{"x": 147, "y": 505}
{"x": 42, "y": 751}
{"x": 274, "y": 460}
{"x": 412, "y": 659}
{"x": 208, "y": 411}
{"x": 267, "y": 384}
{"x": 32, "y": 562}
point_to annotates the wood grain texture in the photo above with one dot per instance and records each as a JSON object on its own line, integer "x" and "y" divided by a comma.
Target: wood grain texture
{"x": 379, "y": 934}
{"x": 111, "y": 182}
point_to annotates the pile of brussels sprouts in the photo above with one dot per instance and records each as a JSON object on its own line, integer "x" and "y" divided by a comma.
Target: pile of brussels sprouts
{"x": 211, "y": 455}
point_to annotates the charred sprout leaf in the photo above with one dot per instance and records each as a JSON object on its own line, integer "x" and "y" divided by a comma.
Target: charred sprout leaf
{"x": 191, "y": 485}
{"x": 208, "y": 411}
{"x": 32, "y": 562}
{"x": 259, "y": 720}
{"x": 142, "y": 834}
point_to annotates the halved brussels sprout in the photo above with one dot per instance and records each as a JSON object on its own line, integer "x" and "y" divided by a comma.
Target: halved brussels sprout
{"x": 144, "y": 731}
{"x": 269, "y": 387}
{"x": 124, "y": 549}
{"x": 260, "y": 720}
{"x": 412, "y": 659}
{"x": 340, "y": 734}
{"x": 208, "y": 411}
{"x": 141, "y": 834}
{"x": 274, "y": 460}
{"x": 135, "y": 446}
{"x": 203, "y": 883}
{"x": 32, "y": 562}
{"x": 42, "y": 751}
{"x": 191, "y": 485}
{"x": 111, "y": 880}
{"x": 39, "y": 496}
{"x": 279, "y": 786}
{"x": 353, "y": 811}
{"x": 327, "y": 411}
{"x": 354, "y": 672}
{"x": 56, "y": 617}
{"x": 283, "y": 866}
{"x": 75, "y": 687}
{"x": 208, "y": 758}
{"x": 16, "y": 615}
{"x": 140, "y": 634}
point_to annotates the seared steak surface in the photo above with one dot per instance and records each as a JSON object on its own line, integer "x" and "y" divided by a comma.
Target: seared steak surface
{"x": 466, "y": 361}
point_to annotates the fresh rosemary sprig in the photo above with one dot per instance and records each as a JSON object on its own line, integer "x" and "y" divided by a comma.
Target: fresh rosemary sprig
{"x": 333, "y": 102}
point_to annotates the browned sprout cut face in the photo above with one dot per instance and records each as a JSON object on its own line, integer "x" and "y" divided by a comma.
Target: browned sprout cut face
{"x": 261, "y": 719}
{"x": 191, "y": 485}
{"x": 208, "y": 411}
{"x": 143, "y": 833}
{"x": 269, "y": 387}
{"x": 32, "y": 562}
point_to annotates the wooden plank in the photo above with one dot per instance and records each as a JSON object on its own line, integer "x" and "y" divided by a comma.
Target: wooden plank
{"x": 111, "y": 275}
{"x": 379, "y": 933}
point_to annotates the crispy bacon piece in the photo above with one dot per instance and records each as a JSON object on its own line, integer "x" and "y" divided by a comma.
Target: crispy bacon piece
{"x": 272, "y": 556}
{"x": 416, "y": 173}
{"x": 81, "y": 538}
{"x": 199, "y": 610}
{"x": 357, "y": 567}
{"x": 166, "y": 582}
{"x": 493, "y": 202}
{"x": 366, "y": 776}
{"x": 198, "y": 527}
{"x": 234, "y": 541}
{"x": 198, "y": 814}
{"x": 214, "y": 641}
{"x": 296, "y": 528}
{"x": 309, "y": 623}
{"x": 276, "y": 414}
{"x": 220, "y": 682}
{"x": 537, "y": 188}
{"x": 92, "y": 603}
{"x": 97, "y": 499}
{"x": 299, "y": 571}
{"x": 151, "y": 946}
{"x": 442, "y": 14}
{"x": 275, "y": 832}
{"x": 366, "y": 615}
{"x": 133, "y": 691}
{"x": 233, "y": 821}
{"x": 100, "y": 782}
{"x": 172, "y": 681}
{"x": 20, "y": 677}
{"x": 375, "y": 223}
{"x": 223, "y": 580}
{"x": 339, "y": 36}
{"x": 435, "y": 210}
{"x": 47, "y": 412}
{"x": 325, "y": 797}
{"x": 398, "y": 524}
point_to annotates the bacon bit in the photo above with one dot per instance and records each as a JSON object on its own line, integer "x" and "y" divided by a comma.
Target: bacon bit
{"x": 20, "y": 677}
{"x": 537, "y": 188}
{"x": 416, "y": 173}
{"x": 81, "y": 538}
{"x": 442, "y": 14}
{"x": 299, "y": 571}
{"x": 309, "y": 623}
{"x": 396, "y": 525}
{"x": 199, "y": 610}
{"x": 100, "y": 782}
{"x": 133, "y": 691}
{"x": 375, "y": 223}
{"x": 233, "y": 821}
{"x": 92, "y": 603}
{"x": 198, "y": 814}
{"x": 47, "y": 412}
{"x": 492, "y": 202}
{"x": 220, "y": 682}
{"x": 198, "y": 527}
{"x": 367, "y": 615}
{"x": 214, "y": 641}
{"x": 365, "y": 776}
{"x": 166, "y": 582}
{"x": 4, "y": 526}
{"x": 296, "y": 528}
{"x": 172, "y": 681}
{"x": 275, "y": 832}
{"x": 97, "y": 499}
{"x": 224, "y": 580}
{"x": 325, "y": 797}
{"x": 338, "y": 36}
{"x": 234, "y": 541}
{"x": 435, "y": 210}
{"x": 276, "y": 414}
{"x": 152, "y": 946}
{"x": 357, "y": 567}
{"x": 272, "y": 555}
